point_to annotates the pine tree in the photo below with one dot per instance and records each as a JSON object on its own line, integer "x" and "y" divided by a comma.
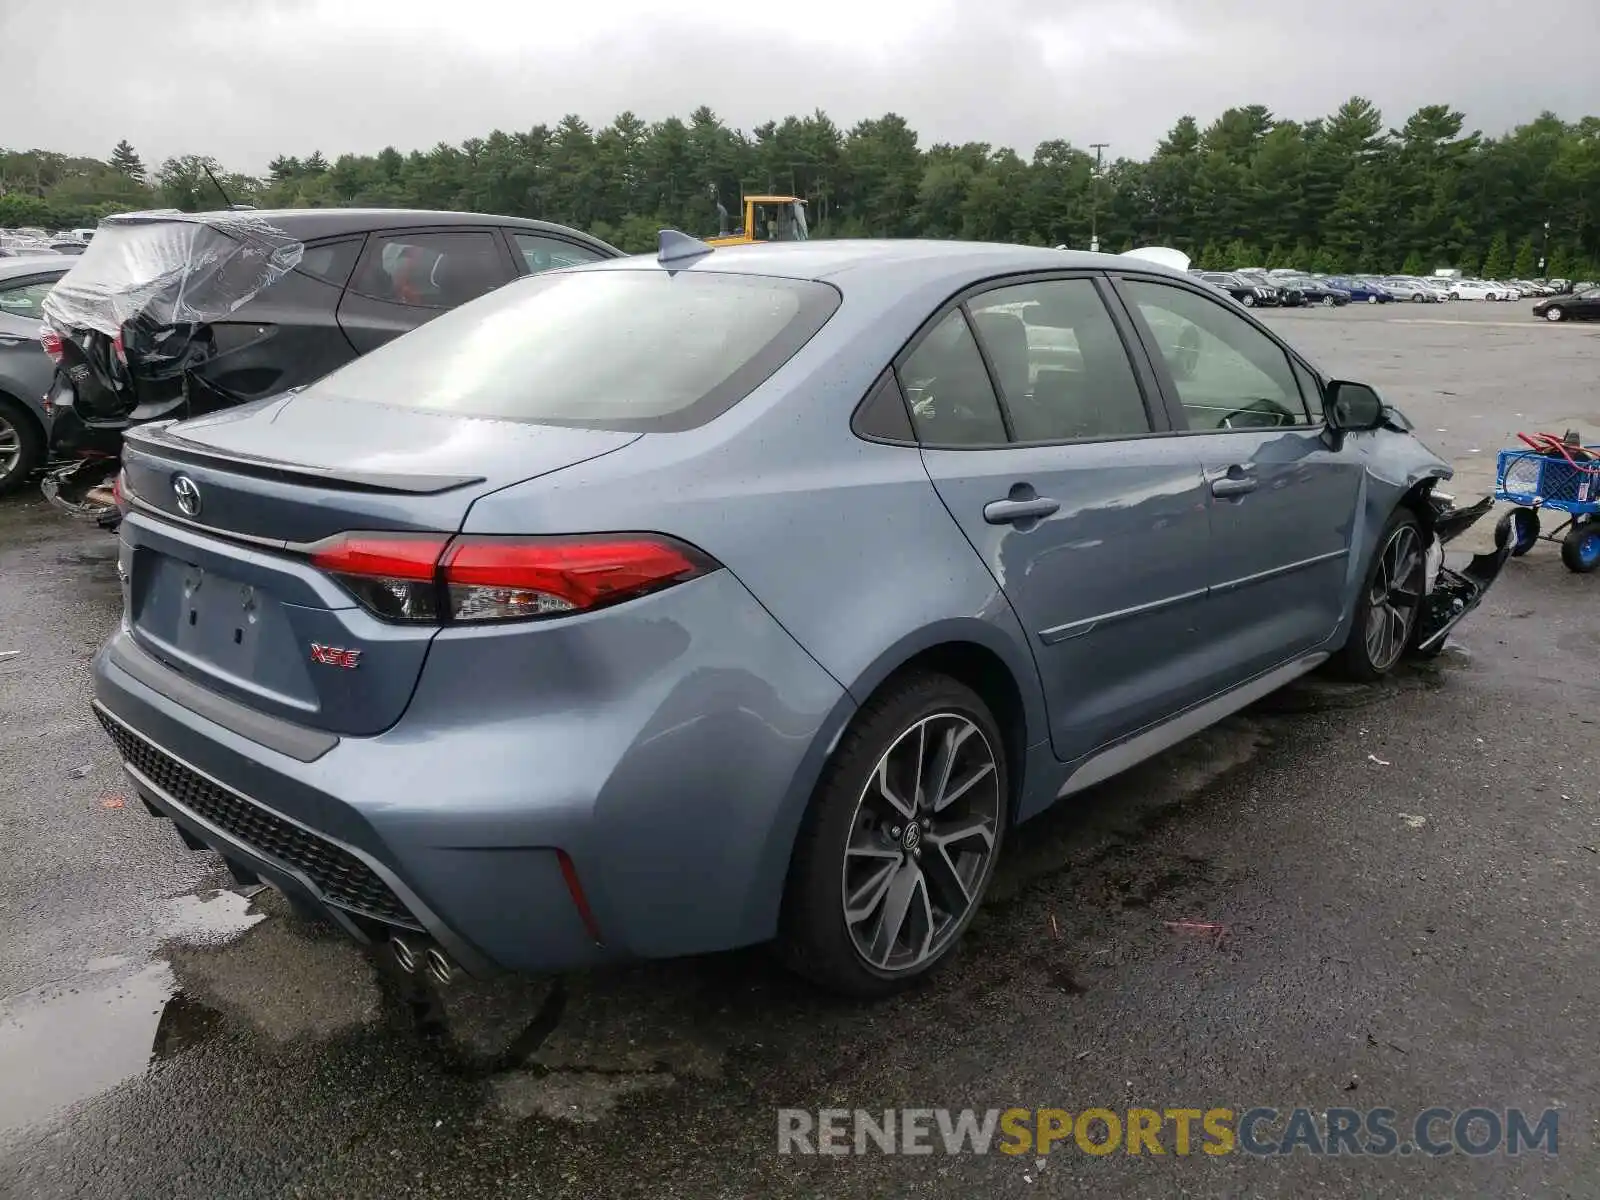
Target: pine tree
{"x": 1414, "y": 264}
{"x": 1275, "y": 257}
{"x": 125, "y": 160}
{"x": 316, "y": 164}
{"x": 1497, "y": 262}
{"x": 1560, "y": 264}
{"x": 1327, "y": 262}
{"x": 1527, "y": 261}
{"x": 1238, "y": 254}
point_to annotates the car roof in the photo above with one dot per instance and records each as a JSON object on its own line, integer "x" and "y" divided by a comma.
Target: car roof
{"x": 907, "y": 261}
{"x": 308, "y": 224}
{"x": 39, "y": 264}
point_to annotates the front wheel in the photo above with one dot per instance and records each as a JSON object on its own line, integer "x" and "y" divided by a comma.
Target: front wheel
{"x": 1328, "y": 302}
{"x": 1386, "y": 610}
{"x": 1418, "y": 298}
{"x": 1580, "y": 549}
{"x": 1248, "y": 301}
{"x": 1372, "y": 299}
{"x": 1553, "y": 313}
{"x": 900, "y": 841}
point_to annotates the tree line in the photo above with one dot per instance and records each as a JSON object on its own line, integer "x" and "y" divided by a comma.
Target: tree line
{"x": 1345, "y": 192}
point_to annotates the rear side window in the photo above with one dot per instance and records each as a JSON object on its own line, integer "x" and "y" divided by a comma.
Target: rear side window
{"x": 330, "y": 262}
{"x": 431, "y": 270}
{"x": 616, "y": 349}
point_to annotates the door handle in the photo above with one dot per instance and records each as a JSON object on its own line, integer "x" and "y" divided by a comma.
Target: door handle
{"x": 1004, "y": 512}
{"x": 1234, "y": 485}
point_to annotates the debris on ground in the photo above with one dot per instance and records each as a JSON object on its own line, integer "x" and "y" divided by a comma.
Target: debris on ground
{"x": 80, "y": 772}
{"x": 1413, "y": 821}
{"x": 1214, "y": 930}
{"x": 1382, "y": 762}
{"x": 9, "y": 653}
{"x": 112, "y": 802}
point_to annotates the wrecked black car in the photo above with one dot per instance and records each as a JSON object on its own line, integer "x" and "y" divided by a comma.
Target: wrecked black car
{"x": 169, "y": 315}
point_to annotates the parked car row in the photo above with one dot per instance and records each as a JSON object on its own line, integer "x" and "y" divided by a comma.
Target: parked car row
{"x": 1257, "y": 286}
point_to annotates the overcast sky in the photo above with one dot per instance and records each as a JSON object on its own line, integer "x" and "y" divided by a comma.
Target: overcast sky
{"x": 246, "y": 80}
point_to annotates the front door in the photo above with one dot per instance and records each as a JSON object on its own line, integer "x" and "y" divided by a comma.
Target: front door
{"x": 1045, "y": 446}
{"x": 1283, "y": 497}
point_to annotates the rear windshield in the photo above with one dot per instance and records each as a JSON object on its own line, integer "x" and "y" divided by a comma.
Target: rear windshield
{"x": 610, "y": 349}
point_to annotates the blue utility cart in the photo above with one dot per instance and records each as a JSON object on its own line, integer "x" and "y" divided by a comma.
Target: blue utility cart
{"x": 1559, "y": 475}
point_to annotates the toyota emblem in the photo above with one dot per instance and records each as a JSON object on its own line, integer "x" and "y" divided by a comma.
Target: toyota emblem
{"x": 187, "y": 493}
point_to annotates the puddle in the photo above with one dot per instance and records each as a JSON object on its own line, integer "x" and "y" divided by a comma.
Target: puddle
{"x": 67, "y": 1043}
{"x": 63, "y": 1045}
{"x": 209, "y": 919}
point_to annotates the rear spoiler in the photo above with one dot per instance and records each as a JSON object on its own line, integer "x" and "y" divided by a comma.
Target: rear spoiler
{"x": 158, "y": 439}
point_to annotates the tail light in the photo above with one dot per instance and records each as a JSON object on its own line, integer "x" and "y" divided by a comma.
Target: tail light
{"x": 51, "y": 341}
{"x": 118, "y": 349}
{"x": 434, "y": 577}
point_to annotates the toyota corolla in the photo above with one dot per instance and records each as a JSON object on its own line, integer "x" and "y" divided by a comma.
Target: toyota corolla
{"x": 686, "y": 602}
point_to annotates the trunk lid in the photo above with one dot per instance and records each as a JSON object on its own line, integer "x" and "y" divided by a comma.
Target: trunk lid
{"x": 219, "y": 586}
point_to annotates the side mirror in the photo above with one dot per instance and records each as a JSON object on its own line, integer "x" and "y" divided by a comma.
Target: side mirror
{"x": 1349, "y": 406}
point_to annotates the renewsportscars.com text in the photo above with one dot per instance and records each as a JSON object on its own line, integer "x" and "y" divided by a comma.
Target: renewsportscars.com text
{"x": 1432, "y": 1132}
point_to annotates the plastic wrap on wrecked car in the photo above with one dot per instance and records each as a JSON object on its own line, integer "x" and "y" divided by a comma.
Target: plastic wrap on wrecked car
{"x": 170, "y": 268}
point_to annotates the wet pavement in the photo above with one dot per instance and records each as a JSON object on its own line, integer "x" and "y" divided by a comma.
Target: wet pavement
{"x": 1403, "y": 877}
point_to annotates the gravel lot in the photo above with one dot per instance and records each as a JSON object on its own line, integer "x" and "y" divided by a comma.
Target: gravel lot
{"x": 1406, "y": 876}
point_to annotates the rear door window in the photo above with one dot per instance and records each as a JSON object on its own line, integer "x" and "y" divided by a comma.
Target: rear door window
{"x": 431, "y": 270}
{"x": 952, "y": 402}
{"x": 1060, "y": 362}
{"x": 606, "y": 349}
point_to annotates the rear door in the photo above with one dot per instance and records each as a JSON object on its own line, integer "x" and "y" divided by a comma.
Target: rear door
{"x": 288, "y": 335}
{"x": 1282, "y": 495}
{"x": 408, "y": 276}
{"x": 1048, "y": 447}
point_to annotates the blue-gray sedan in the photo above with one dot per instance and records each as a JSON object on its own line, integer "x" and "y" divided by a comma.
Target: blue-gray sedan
{"x": 679, "y": 603}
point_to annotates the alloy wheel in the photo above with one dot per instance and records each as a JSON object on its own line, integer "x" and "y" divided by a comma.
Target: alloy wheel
{"x": 10, "y": 448}
{"x": 1395, "y": 596}
{"x": 921, "y": 842}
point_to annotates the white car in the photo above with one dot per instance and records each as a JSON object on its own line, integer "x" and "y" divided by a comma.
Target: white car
{"x": 1508, "y": 291}
{"x": 1474, "y": 289}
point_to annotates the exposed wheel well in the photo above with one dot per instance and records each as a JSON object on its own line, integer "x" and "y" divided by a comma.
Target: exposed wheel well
{"x": 982, "y": 670}
{"x": 1416, "y": 499}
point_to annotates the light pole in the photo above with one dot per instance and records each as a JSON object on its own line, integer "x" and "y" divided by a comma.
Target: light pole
{"x": 1544, "y": 253}
{"x": 1094, "y": 197}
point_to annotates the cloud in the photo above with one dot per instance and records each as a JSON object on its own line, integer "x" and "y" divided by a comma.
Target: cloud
{"x": 248, "y": 79}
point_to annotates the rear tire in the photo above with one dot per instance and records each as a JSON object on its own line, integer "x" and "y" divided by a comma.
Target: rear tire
{"x": 1385, "y": 616}
{"x": 21, "y": 445}
{"x": 908, "y": 818}
{"x": 1247, "y": 301}
{"x": 1372, "y": 299}
{"x": 1328, "y": 302}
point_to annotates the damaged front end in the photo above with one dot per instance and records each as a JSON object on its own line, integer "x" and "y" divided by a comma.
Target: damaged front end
{"x": 1448, "y": 594}
{"x": 133, "y": 317}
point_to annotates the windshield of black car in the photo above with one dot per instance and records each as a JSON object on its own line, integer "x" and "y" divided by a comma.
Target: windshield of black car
{"x": 607, "y": 349}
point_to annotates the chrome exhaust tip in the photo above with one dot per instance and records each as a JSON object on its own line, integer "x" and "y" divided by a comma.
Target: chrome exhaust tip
{"x": 404, "y": 955}
{"x": 440, "y": 967}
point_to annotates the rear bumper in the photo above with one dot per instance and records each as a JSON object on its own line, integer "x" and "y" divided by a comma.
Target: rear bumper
{"x": 671, "y": 774}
